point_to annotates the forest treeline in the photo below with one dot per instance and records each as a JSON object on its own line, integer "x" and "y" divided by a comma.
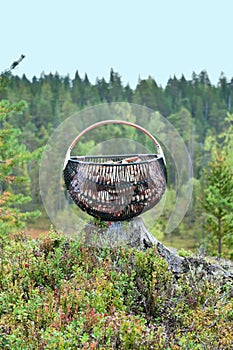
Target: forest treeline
{"x": 52, "y": 98}
{"x": 197, "y": 108}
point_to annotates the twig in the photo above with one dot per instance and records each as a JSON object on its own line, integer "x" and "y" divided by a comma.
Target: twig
{"x": 13, "y": 66}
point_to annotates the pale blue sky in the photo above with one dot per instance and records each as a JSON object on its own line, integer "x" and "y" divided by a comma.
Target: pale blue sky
{"x": 136, "y": 38}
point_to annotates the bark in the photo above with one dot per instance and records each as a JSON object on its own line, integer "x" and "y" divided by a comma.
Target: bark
{"x": 219, "y": 246}
{"x": 219, "y": 238}
{"x": 134, "y": 234}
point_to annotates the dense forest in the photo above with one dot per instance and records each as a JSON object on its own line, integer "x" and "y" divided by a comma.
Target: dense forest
{"x": 200, "y": 111}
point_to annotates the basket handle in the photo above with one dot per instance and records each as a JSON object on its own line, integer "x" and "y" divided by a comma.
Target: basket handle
{"x": 105, "y": 122}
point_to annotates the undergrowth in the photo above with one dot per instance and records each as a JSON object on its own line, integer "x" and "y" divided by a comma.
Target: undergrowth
{"x": 58, "y": 294}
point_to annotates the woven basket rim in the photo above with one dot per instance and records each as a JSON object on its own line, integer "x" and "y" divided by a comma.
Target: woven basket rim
{"x": 81, "y": 159}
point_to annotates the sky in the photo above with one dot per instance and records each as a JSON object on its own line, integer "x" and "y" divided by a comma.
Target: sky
{"x": 136, "y": 38}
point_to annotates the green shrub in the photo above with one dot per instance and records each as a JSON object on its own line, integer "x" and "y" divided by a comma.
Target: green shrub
{"x": 57, "y": 294}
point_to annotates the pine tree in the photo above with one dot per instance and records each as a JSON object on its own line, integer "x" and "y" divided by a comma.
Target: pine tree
{"x": 115, "y": 87}
{"x": 103, "y": 90}
{"x": 218, "y": 200}
{"x": 218, "y": 190}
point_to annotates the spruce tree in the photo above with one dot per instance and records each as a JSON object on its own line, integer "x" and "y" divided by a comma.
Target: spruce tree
{"x": 218, "y": 190}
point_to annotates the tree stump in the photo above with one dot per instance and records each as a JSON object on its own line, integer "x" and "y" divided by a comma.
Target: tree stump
{"x": 131, "y": 233}
{"x": 134, "y": 234}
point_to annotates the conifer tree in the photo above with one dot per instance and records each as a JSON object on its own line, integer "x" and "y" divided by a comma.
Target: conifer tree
{"x": 14, "y": 180}
{"x": 218, "y": 201}
{"x": 218, "y": 190}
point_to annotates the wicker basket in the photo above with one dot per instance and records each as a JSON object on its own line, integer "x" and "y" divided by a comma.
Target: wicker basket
{"x": 115, "y": 187}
